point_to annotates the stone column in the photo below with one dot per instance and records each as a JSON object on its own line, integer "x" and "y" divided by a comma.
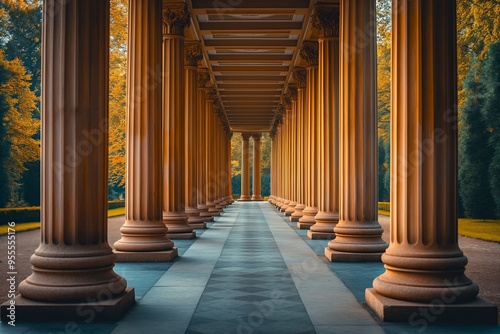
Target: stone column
{"x": 287, "y": 120}
{"x": 256, "y": 167}
{"x": 192, "y": 54}
{"x": 292, "y": 150}
{"x": 358, "y": 233}
{"x": 326, "y": 19}
{"x": 272, "y": 196}
{"x": 300, "y": 76}
{"x": 281, "y": 158}
{"x": 176, "y": 17}
{"x": 229, "y": 168}
{"x": 144, "y": 233}
{"x": 203, "y": 79}
{"x": 209, "y": 149}
{"x": 424, "y": 263}
{"x": 245, "y": 170}
{"x": 73, "y": 262}
{"x": 309, "y": 52}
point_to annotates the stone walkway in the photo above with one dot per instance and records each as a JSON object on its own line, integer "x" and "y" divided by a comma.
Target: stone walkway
{"x": 252, "y": 271}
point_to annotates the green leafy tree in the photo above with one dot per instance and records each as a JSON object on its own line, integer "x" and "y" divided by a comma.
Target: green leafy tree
{"x": 474, "y": 153}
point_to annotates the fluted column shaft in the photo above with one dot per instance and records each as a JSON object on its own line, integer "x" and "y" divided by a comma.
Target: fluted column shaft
{"x": 285, "y": 126}
{"x": 327, "y": 19}
{"x": 192, "y": 53}
{"x": 229, "y": 168}
{"x": 358, "y": 233}
{"x": 292, "y": 149}
{"x": 203, "y": 78}
{"x": 74, "y": 261}
{"x": 245, "y": 170}
{"x": 310, "y": 52}
{"x": 210, "y": 149}
{"x": 273, "y": 168}
{"x": 144, "y": 229}
{"x": 300, "y": 77}
{"x": 175, "y": 18}
{"x": 424, "y": 261}
{"x": 257, "y": 196}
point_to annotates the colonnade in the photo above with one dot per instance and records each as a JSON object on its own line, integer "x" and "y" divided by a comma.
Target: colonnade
{"x": 245, "y": 167}
{"x": 324, "y": 154}
{"x": 337, "y": 167}
{"x": 178, "y": 154}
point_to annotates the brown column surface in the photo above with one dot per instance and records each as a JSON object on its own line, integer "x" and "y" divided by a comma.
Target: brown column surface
{"x": 309, "y": 52}
{"x": 285, "y": 127}
{"x": 292, "y": 150}
{"x": 192, "y": 54}
{"x": 326, "y": 18}
{"x": 245, "y": 170}
{"x": 144, "y": 233}
{"x": 203, "y": 79}
{"x": 300, "y": 76}
{"x": 257, "y": 196}
{"x": 424, "y": 263}
{"x": 73, "y": 263}
{"x": 176, "y": 17}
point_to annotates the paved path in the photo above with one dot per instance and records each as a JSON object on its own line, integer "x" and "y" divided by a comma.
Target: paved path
{"x": 252, "y": 271}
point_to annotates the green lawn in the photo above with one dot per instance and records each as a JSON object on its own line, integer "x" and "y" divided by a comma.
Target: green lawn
{"x": 31, "y": 226}
{"x": 488, "y": 230}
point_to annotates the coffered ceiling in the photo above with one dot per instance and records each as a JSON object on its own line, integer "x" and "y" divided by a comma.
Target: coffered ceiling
{"x": 250, "y": 48}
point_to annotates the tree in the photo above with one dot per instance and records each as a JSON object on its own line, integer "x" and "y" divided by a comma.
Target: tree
{"x": 491, "y": 114}
{"x": 19, "y": 124}
{"x": 117, "y": 97}
{"x": 474, "y": 155}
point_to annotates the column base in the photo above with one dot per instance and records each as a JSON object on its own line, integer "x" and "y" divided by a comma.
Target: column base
{"x": 244, "y": 198}
{"x": 106, "y": 309}
{"x": 320, "y": 235}
{"x": 256, "y": 198}
{"x": 165, "y": 256}
{"x": 202, "y": 225}
{"x": 387, "y": 309}
{"x": 303, "y": 226}
{"x": 182, "y": 236}
{"x": 284, "y": 206}
{"x": 336, "y": 256}
{"x": 290, "y": 209}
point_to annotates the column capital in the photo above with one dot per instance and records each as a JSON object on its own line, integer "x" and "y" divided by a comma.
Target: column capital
{"x": 292, "y": 91}
{"x": 326, "y": 18}
{"x": 203, "y": 77}
{"x": 192, "y": 53}
{"x": 300, "y": 76}
{"x": 175, "y": 17}
{"x": 286, "y": 101}
{"x": 246, "y": 136}
{"x": 257, "y": 136}
{"x": 211, "y": 93}
{"x": 309, "y": 52}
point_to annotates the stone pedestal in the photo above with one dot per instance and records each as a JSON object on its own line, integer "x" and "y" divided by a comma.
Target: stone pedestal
{"x": 358, "y": 235}
{"x": 144, "y": 233}
{"x": 424, "y": 263}
{"x": 256, "y": 168}
{"x": 175, "y": 18}
{"x": 309, "y": 52}
{"x": 73, "y": 263}
{"x": 326, "y": 18}
{"x": 245, "y": 168}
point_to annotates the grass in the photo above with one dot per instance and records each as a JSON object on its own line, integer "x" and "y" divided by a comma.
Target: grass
{"x": 479, "y": 229}
{"x": 34, "y": 225}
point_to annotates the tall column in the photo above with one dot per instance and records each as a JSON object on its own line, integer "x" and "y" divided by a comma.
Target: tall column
{"x": 287, "y": 120}
{"x": 300, "y": 76}
{"x": 292, "y": 150}
{"x": 245, "y": 170}
{"x": 326, "y": 19}
{"x": 272, "y": 197}
{"x": 203, "y": 79}
{"x": 358, "y": 233}
{"x": 73, "y": 262}
{"x": 424, "y": 262}
{"x": 229, "y": 168}
{"x": 281, "y": 158}
{"x": 192, "y": 53}
{"x": 209, "y": 149}
{"x": 309, "y": 52}
{"x": 176, "y": 17}
{"x": 144, "y": 233}
{"x": 257, "y": 196}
